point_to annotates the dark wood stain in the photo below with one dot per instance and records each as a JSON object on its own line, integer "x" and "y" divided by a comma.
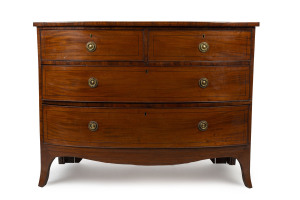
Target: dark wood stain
{"x": 142, "y": 84}
{"x": 111, "y": 45}
{"x": 132, "y": 128}
{"x": 148, "y": 102}
{"x": 183, "y": 45}
{"x": 146, "y": 24}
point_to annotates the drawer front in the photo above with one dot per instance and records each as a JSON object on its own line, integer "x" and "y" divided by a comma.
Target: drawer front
{"x": 145, "y": 128}
{"x": 222, "y": 45}
{"x": 141, "y": 84}
{"x": 111, "y": 45}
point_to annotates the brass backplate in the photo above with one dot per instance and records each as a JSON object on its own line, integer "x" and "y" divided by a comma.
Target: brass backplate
{"x": 91, "y": 46}
{"x": 203, "y": 47}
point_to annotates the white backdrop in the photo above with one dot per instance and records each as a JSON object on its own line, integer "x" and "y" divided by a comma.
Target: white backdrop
{"x": 275, "y": 129}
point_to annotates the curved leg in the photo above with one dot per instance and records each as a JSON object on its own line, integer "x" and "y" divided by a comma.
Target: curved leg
{"x": 244, "y": 160}
{"x": 46, "y": 161}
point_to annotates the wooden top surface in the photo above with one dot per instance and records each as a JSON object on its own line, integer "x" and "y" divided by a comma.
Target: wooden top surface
{"x": 144, "y": 24}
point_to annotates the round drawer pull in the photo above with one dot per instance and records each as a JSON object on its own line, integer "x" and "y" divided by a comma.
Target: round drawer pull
{"x": 93, "y": 126}
{"x": 93, "y": 82}
{"x": 203, "y": 82}
{"x": 203, "y": 47}
{"x": 203, "y": 125}
{"x": 91, "y": 46}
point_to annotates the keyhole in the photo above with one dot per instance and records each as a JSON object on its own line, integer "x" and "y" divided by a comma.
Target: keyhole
{"x": 146, "y": 71}
{"x": 145, "y": 114}
{"x": 203, "y": 36}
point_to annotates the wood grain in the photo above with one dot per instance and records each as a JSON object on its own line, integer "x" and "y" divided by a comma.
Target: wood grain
{"x": 145, "y": 128}
{"x": 150, "y": 156}
{"x": 146, "y": 23}
{"x": 147, "y": 63}
{"x": 146, "y": 84}
{"x": 122, "y": 45}
{"x": 178, "y": 45}
{"x": 146, "y": 118}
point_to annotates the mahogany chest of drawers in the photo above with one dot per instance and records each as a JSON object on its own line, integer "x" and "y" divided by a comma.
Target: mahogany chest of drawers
{"x": 145, "y": 93}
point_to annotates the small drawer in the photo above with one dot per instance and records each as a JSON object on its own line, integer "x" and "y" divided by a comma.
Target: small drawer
{"x": 145, "y": 127}
{"x": 142, "y": 84}
{"x": 92, "y": 45}
{"x": 204, "y": 45}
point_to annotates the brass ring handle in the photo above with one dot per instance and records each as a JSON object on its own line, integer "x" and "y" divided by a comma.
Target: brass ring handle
{"x": 203, "y": 47}
{"x": 203, "y": 82}
{"x": 93, "y": 82}
{"x": 91, "y": 46}
{"x": 93, "y": 126}
{"x": 203, "y": 125}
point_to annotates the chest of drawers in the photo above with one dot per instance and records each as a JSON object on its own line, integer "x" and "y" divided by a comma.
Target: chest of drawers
{"x": 145, "y": 93}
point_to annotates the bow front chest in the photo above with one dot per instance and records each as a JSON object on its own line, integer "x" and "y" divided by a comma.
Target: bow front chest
{"x": 145, "y": 93}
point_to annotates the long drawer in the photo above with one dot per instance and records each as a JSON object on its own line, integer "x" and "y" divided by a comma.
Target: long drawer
{"x": 142, "y": 84}
{"x": 92, "y": 45}
{"x": 199, "y": 45}
{"x": 145, "y": 127}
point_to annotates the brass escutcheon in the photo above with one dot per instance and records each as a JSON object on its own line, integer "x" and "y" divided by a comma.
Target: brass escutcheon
{"x": 203, "y": 47}
{"x": 91, "y": 46}
{"x": 93, "y": 126}
{"x": 93, "y": 82}
{"x": 203, "y": 125}
{"x": 203, "y": 82}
